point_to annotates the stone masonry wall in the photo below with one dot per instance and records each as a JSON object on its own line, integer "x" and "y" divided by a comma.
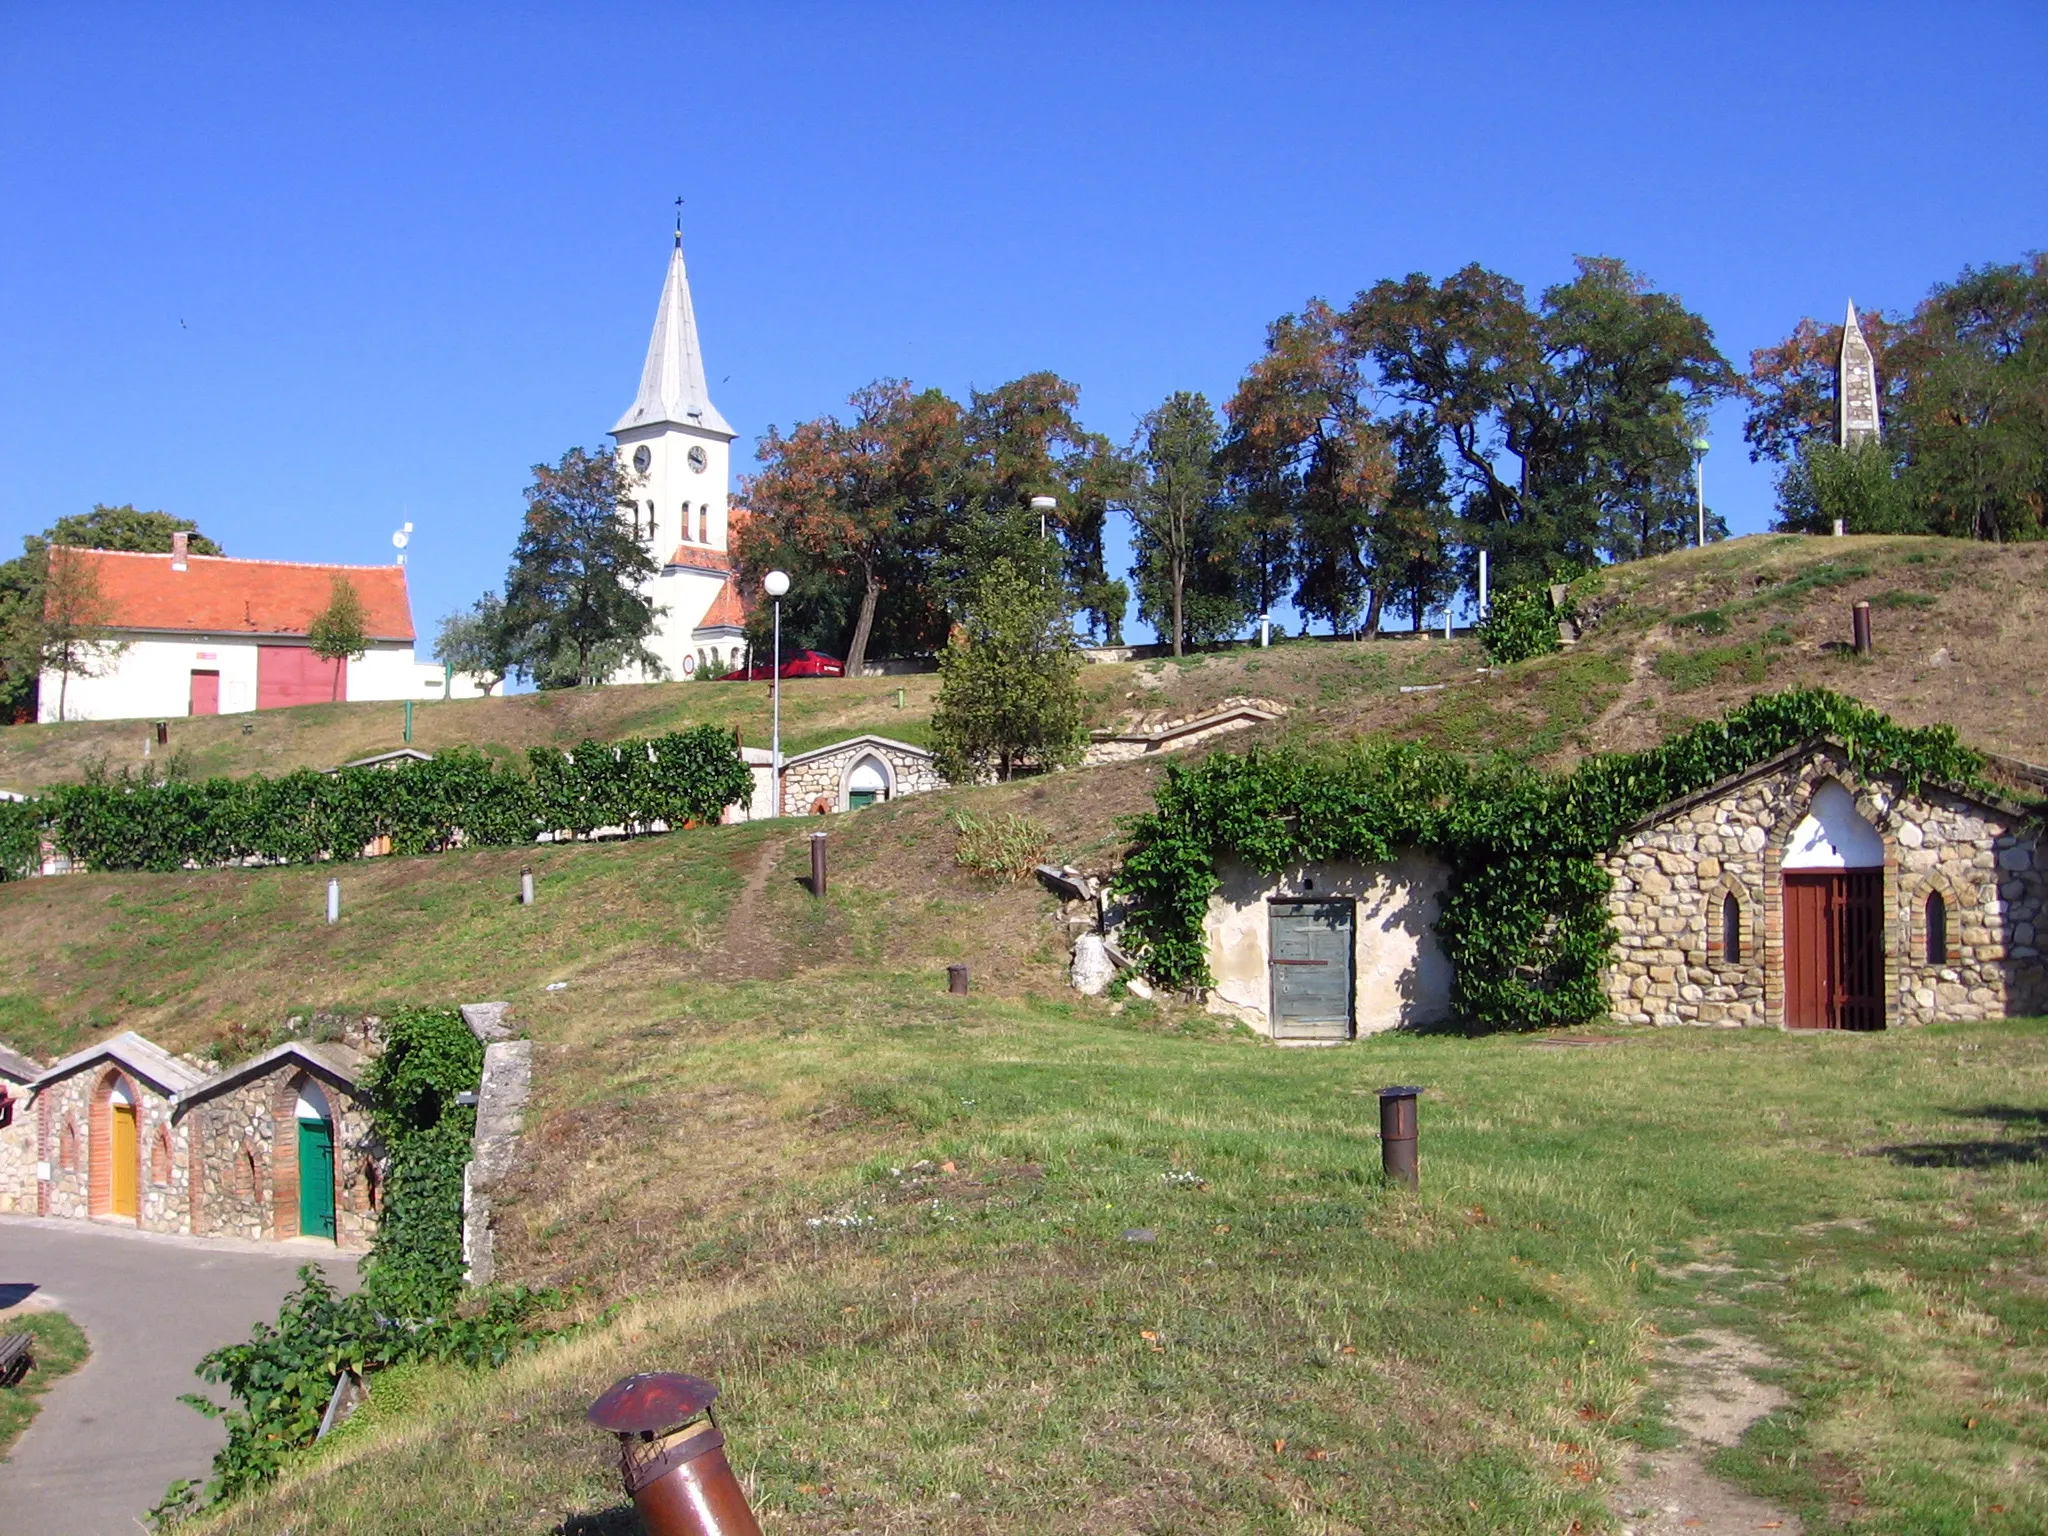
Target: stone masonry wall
{"x": 1670, "y": 880}
{"x": 247, "y": 1142}
{"x": 807, "y": 782}
{"x": 81, "y": 1173}
{"x": 18, "y": 1152}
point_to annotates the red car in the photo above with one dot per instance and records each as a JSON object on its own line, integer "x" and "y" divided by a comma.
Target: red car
{"x": 802, "y": 664}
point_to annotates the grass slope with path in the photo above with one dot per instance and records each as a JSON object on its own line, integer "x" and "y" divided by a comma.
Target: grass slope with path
{"x": 1022, "y": 1259}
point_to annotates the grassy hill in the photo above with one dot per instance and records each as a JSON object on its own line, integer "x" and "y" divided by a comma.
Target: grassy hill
{"x": 1958, "y": 628}
{"x": 1023, "y": 1260}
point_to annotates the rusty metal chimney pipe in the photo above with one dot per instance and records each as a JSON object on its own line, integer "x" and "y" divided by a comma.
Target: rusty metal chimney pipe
{"x": 1397, "y": 1136}
{"x": 818, "y": 871}
{"x": 956, "y": 980}
{"x": 672, "y": 1456}
{"x": 1859, "y": 626}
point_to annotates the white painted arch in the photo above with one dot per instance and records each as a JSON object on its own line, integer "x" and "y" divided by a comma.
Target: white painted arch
{"x": 1833, "y": 835}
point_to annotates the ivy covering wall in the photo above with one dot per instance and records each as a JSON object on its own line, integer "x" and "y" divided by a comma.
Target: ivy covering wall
{"x": 459, "y": 797}
{"x": 1524, "y": 922}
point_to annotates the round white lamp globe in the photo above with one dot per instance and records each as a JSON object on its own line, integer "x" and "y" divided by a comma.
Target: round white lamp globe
{"x": 1044, "y": 503}
{"x": 775, "y": 583}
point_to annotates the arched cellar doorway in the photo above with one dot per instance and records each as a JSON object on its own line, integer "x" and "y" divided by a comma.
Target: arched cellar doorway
{"x": 316, "y": 1161}
{"x": 124, "y": 1149}
{"x": 1834, "y": 917}
{"x": 868, "y": 783}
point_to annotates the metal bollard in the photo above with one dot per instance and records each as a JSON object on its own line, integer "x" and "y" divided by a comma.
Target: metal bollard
{"x": 1859, "y": 627}
{"x": 1397, "y": 1135}
{"x": 956, "y": 980}
{"x": 334, "y": 901}
{"x": 672, "y": 1456}
{"x": 818, "y": 864}
{"x": 525, "y": 887}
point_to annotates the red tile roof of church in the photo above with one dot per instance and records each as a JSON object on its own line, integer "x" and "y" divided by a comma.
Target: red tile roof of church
{"x": 727, "y": 609}
{"x": 215, "y": 595}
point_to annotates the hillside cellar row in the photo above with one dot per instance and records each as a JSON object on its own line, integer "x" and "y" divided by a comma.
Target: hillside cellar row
{"x": 278, "y": 1146}
{"x": 1798, "y": 894}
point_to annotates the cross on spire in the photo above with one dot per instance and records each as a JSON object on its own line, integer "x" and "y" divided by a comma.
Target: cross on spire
{"x": 679, "y": 223}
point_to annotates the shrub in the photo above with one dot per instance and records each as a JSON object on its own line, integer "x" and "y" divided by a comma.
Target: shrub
{"x": 459, "y": 797}
{"x": 1520, "y": 623}
{"x": 1002, "y": 847}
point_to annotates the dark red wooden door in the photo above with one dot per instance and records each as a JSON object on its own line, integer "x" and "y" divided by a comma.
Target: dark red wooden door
{"x": 1809, "y": 950}
{"x": 1834, "y": 949}
{"x": 1859, "y": 939}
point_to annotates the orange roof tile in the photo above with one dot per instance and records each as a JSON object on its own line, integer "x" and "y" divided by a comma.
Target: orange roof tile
{"x": 727, "y": 610}
{"x": 701, "y": 557}
{"x": 215, "y": 595}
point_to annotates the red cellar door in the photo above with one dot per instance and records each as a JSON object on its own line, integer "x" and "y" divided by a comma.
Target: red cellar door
{"x": 292, "y": 674}
{"x": 205, "y": 693}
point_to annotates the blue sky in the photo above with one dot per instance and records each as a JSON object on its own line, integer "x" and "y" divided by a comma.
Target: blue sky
{"x": 303, "y": 273}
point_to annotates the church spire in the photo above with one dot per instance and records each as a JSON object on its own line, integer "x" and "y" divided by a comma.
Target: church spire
{"x": 1856, "y": 416}
{"x": 672, "y": 388}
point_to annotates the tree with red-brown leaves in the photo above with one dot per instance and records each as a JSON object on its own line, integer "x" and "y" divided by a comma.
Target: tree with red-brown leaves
{"x": 862, "y": 499}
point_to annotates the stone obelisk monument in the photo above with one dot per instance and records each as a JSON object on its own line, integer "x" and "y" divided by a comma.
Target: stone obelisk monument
{"x": 1855, "y": 388}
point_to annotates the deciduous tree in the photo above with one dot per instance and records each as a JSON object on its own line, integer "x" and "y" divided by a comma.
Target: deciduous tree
{"x": 473, "y": 643}
{"x": 74, "y": 638}
{"x": 1187, "y": 581}
{"x": 336, "y": 633}
{"x": 576, "y": 606}
{"x": 1009, "y": 680}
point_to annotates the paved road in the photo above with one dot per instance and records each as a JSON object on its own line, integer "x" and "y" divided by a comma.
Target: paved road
{"x": 113, "y": 1435}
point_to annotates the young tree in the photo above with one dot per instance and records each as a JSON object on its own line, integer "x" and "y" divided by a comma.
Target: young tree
{"x": 1009, "y": 680}
{"x": 1860, "y": 485}
{"x": 576, "y": 609}
{"x": 1177, "y": 510}
{"x": 1411, "y": 538}
{"x": 336, "y": 633}
{"x": 73, "y": 638}
{"x": 473, "y": 643}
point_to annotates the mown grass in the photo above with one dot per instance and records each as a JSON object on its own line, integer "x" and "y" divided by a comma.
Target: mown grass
{"x": 60, "y": 1349}
{"x": 981, "y": 1265}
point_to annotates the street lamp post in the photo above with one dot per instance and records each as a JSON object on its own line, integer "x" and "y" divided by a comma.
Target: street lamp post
{"x": 1042, "y": 505}
{"x": 1699, "y": 483}
{"x": 775, "y": 583}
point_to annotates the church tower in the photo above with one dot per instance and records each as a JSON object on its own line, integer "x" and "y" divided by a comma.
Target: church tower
{"x": 1856, "y": 419}
{"x": 676, "y": 449}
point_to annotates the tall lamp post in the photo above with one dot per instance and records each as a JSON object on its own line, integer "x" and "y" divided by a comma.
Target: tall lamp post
{"x": 775, "y": 583}
{"x": 1042, "y": 505}
{"x": 1699, "y": 483}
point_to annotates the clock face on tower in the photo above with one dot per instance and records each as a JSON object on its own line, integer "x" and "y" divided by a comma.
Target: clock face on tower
{"x": 642, "y": 458}
{"x": 697, "y": 460}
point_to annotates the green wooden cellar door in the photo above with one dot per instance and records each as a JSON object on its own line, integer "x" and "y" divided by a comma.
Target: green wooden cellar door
{"x": 316, "y": 1178}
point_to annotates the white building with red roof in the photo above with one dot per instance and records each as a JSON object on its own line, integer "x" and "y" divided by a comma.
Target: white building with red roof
{"x": 206, "y": 635}
{"x": 676, "y": 449}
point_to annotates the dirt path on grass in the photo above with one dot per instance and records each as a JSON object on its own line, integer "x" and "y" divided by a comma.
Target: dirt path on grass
{"x": 751, "y": 948}
{"x": 1714, "y": 1398}
{"x": 1611, "y": 730}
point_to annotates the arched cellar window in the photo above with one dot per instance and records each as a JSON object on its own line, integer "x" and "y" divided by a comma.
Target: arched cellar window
{"x": 67, "y": 1147}
{"x": 1731, "y": 930}
{"x": 160, "y": 1157}
{"x": 1937, "y": 929}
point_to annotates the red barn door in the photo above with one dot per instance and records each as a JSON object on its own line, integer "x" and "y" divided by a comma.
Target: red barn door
{"x": 292, "y": 674}
{"x": 205, "y": 693}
